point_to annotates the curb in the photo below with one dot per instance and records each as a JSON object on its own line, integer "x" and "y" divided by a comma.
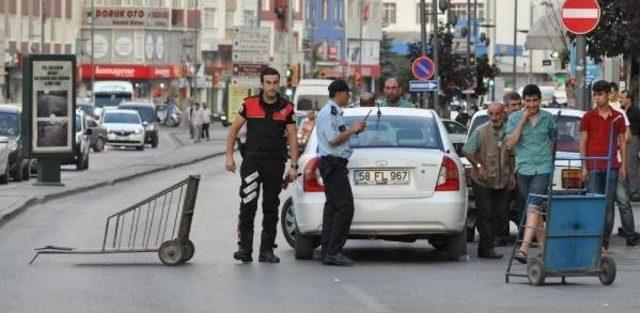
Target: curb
{"x": 6, "y": 217}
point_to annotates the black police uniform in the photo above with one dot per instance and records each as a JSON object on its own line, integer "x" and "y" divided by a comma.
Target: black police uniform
{"x": 263, "y": 164}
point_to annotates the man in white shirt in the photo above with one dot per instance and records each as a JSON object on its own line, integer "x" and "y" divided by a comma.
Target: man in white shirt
{"x": 207, "y": 121}
{"x": 197, "y": 118}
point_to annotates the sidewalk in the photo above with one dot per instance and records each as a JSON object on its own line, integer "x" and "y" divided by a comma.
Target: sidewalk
{"x": 17, "y": 197}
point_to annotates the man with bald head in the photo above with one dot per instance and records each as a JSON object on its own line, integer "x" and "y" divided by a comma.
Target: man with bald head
{"x": 393, "y": 95}
{"x": 492, "y": 176}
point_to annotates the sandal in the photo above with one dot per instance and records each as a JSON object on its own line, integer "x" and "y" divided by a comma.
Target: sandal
{"x": 520, "y": 256}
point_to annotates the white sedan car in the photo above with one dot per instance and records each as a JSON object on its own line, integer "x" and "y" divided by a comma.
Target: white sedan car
{"x": 124, "y": 128}
{"x": 407, "y": 181}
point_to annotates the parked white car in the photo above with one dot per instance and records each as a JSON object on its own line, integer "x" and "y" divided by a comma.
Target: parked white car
{"x": 124, "y": 128}
{"x": 407, "y": 181}
{"x": 4, "y": 160}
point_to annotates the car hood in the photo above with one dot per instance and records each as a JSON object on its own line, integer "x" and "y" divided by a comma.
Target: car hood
{"x": 118, "y": 126}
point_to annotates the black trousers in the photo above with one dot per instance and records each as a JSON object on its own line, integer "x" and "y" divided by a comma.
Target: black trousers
{"x": 513, "y": 205}
{"x": 205, "y": 130}
{"x": 338, "y": 207}
{"x": 492, "y": 207}
{"x": 267, "y": 170}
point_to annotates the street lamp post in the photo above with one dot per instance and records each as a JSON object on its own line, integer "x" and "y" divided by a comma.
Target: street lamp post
{"x": 423, "y": 43}
{"x": 93, "y": 49}
{"x": 515, "y": 38}
{"x": 436, "y": 47}
{"x": 468, "y": 61}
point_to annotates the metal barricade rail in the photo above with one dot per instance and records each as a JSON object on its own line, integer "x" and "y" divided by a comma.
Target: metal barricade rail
{"x": 160, "y": 223}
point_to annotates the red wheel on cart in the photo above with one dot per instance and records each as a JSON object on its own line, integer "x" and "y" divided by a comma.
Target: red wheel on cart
{"x": 607, "y": 270}
{"x": 536, "y": 272}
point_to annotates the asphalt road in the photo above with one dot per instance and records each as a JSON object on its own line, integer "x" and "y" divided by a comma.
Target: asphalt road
{"x": 388, "y": 277}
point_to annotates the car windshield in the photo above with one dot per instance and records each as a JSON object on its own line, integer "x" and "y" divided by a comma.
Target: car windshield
{"x": 111, "y": 99}
{"x": 121, "y": 118}
{"x": 147, "y": 114}
{"x": 311, "y": 102}
{"x": 568, "y": 132}
{"x": 78, "y": 123}
{"x": 397, "y": 132}
{"x": 9, "y": 125}
{"x": 86, "y": 108}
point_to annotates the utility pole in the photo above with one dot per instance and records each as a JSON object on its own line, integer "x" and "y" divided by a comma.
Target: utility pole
{"x": 93, "y": 51}
{"x": 581, "y": 46}
{"x": 515, "y": 42}
{"x": 196, "y": 33}
{"x": 361, "y": 7}
{"x": 42, "y": 26}
{"x": 436, "y": 47}
{"x": 423, "y": 44}
{"x": 468, "y": 63}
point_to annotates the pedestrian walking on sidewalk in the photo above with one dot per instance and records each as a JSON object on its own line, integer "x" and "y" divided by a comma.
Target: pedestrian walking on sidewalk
{"x": 594, "y": 142}
{"x": 493, "y": 177}
{"x": 189, "y": 117}
{"x": 333, "y": 147}
{"x": 530, "y": 133}
{"x": 270, "y": 126}
{"x": 633, "y": 143}
{"x": 207, "y": 121}
{"x": 197, "y": 118}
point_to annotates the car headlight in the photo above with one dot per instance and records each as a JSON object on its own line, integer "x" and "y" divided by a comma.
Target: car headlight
{"x": 13, "y": 146}
{"x": 138, "y": 131}
{"x": 150, "y": 127}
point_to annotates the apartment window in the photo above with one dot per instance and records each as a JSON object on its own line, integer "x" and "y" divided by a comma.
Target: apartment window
{"x": 296, "y": 6}
{"x": 339, "y": 10}
{"x": 115, "y": 2}
{"x": 388, "y": 13}
{"x": 191, "y": 4}
{"x": 177, "y": 4}
{"x": 136, "y": 2}
{"x": 266, "y": 5}
{"x": 228, "y": 22}
{"x": 209, "y": 18}
{"x": 427, "y": 16}
{"x": 460, "y": 9}
{"x": 25, "y": 29}
{"x": 249, "y": 17}
{"x": 325, "y": 9}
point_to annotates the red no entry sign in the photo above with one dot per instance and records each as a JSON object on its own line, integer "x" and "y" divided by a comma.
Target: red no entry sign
{"x": 580, "y": 16}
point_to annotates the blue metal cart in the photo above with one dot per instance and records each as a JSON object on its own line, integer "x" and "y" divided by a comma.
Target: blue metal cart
{"x": 573, "y": 233}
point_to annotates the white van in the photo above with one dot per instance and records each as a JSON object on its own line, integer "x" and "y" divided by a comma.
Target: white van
{"x": 311, "y": 95}
{"x": 109, "y": 94}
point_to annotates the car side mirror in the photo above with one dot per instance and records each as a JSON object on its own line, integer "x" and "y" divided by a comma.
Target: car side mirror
{"x": 88, "y": 131}
{"x": 4, "y": 139}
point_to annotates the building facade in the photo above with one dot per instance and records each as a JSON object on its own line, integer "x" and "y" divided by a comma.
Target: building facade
{"x": 325, "y": 32}
{"x": 152, "y": 43}
{"x": 33, "y": 26}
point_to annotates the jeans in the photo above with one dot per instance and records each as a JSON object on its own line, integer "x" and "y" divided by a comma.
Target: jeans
{"x": 597, "y": 184}
{"x": 626, "y": 212}
{"x": 538, "y": 184}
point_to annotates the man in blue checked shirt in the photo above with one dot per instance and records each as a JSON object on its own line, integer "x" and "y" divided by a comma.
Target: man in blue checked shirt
{"x": 333, "y": 147}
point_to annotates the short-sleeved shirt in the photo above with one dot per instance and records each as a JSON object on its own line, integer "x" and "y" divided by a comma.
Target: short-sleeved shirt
{"x": 329, "y": 124}
{"x": 401, "y": 103}
{"x": 598, "y": 131}
{"x": 533, "y": 150}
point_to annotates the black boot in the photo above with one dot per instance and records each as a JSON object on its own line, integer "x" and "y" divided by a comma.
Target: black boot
{"x": 268, "y": 257}
{"x": 243, "y": 255}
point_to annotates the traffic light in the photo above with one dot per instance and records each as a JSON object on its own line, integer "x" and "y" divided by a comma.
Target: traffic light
{"x": 289, "y": 75}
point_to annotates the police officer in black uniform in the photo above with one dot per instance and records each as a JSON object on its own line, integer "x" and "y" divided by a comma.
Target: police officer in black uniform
{"x": 333, "y": 147}
{"x": 270, "y": 125}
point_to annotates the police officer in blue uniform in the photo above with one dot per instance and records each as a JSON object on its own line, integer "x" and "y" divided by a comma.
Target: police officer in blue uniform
{"x": 333, "y": 147}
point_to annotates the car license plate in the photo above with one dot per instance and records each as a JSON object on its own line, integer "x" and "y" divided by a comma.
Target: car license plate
{"x": 381, "y": 177}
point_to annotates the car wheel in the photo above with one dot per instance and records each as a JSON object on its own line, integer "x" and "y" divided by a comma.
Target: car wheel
{"x": 154, "y": 142}
{"x": 4, "y": 179}
{"x": 79, "y": 163}
{"x": 288, "y": 222}
{"x": 456, "y": 246}
{"x": 26, "y": 170}
{"x": 304, "y": 246}
{"x": 17, "y": 172}
{"x": 439, "y": 243}
{"x": 99, "y": 145}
